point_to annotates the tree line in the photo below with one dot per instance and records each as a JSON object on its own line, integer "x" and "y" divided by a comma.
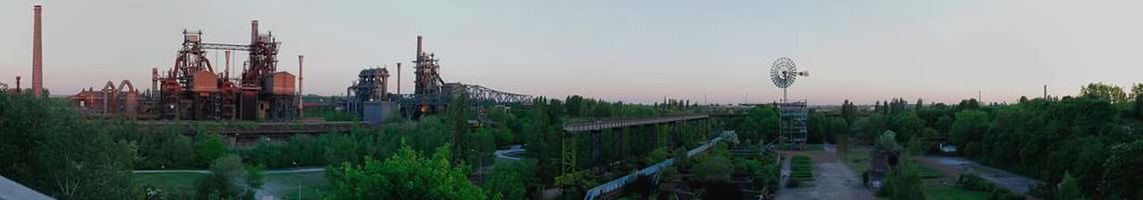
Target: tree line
{"x": 1092, "y": 140}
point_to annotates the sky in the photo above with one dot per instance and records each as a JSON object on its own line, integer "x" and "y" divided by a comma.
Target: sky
{"x": 632, "y": 51}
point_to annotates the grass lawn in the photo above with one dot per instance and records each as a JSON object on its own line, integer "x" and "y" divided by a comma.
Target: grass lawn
{"x": 802, "y": 168}
{"x": 814, "y": 147}
{"x": 169, "y": 182}
{"x": 943, "y": 192}
{"x": 306, "y": 193}
{"x": 286, "y": 185}
{"x": 926, "y": 172}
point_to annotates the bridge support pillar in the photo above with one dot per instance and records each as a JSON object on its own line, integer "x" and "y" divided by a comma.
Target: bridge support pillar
{"x": 676, "y": 140}
{"x": 569, "y": 157}
{"x": 596, "y": 142}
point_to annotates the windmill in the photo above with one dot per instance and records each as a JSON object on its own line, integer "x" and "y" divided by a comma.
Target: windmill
{"x": 783, "y": 73}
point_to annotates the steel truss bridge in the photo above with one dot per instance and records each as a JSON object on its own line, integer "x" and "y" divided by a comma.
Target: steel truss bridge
{"x": 483, "y": 95}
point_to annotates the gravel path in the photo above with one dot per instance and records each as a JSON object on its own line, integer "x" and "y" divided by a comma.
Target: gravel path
{"x": 832, "y": 180}
{"x": 955, "y": 166}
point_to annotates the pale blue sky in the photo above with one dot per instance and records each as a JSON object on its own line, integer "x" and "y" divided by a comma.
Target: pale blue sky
{"x": 638, "y": 51}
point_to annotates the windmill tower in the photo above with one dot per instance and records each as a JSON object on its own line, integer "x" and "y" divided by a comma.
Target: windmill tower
{"x": 792, "y": 114}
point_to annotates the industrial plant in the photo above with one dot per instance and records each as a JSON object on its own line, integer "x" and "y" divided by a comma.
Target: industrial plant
{"x": 195, "y": 88}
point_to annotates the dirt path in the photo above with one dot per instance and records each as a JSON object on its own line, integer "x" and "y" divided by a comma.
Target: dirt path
{"x": 832, "y": 180}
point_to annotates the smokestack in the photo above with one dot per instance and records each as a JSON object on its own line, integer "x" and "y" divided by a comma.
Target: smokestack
{"x": 17, "y": 84}
{"x": 253, "y": 31}
{"x": 37, "y": 55}
{"x": 418, "y": 43}
{"x": 301, "y": 109}
{"x": 154, "y": 79}
{"x": 398, "y": 79}
{"x": 227, "y": 76}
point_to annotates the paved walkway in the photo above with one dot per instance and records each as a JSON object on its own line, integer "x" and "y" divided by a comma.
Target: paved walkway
{"x": 955, "y": 166}
{"x": 832, "y": 179}
{"x": 510, "y": 154}
{"x": 12, "y": 190}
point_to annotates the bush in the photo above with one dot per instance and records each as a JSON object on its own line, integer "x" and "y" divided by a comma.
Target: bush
{"x": 793, "y": 183}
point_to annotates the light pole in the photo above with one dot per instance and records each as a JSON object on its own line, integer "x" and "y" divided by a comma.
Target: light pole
{"x": 299, "y": 181}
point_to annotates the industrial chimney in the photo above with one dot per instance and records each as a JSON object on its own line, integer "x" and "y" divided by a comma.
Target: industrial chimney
{"x": 301, "y": 108}
{"x": 18, "y": 85}
{"x": 253, "y": 31}
{"x": 418, "y": 45}
{"x": 37, "y": 56}
{"x": 398, "y": 79}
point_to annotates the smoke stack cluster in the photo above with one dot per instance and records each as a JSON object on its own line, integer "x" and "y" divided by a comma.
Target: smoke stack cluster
{"x": 37, "y": 56}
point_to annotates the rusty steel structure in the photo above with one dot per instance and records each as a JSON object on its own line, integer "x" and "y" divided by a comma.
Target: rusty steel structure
{"x": 372, "y": 85}
{"x": 431, "y": 94}
{"x": 193, "y": 90}
{"x": 427, "y": 82}
{"x": 122, "y": 100}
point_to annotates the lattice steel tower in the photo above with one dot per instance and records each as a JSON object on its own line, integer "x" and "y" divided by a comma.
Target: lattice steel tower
{"x": 792, "y": 114}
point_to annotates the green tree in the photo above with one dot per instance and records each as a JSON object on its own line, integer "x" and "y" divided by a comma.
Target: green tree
{"x": 207, "y": 148}
{"x": 1136, "y": 91}
{"x": 761, "y": 122}
{"x": 229, "y": 178}
{"x": 457, "y": 116}
{"x": 848, "y": 112}
{"x": 1068, "y": 189}
{"x": 968, "y": 128}
{"x": 914, "y": 146}
{"x": 1104, "y": 91}
{"x": 714, "y": 168}
{"x": 44, "y": 145}
{"x": 405, "y": 175}
{"x": 905, "y": 183}
{"x": 510, "y": 180}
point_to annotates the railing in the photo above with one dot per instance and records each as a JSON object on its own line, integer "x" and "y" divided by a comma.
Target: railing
{"x": 653, "y": 170}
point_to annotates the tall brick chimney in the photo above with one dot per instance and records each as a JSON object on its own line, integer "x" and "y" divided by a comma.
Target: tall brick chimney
{"x": 301, "y": 95}
{"x": 37, "y": 56}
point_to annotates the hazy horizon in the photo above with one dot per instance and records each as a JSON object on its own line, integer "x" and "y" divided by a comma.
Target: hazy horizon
{"x": 632, "y": 51}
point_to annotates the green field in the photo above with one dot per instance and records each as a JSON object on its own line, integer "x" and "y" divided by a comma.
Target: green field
{"x": 813, "y": 147}
{"x": 802, "y": 168}
{"x": 285, "y": 186}
{"x": 941, "y": 192}
{"x": 926, "y": 172}
{"x": 173, "y": 183}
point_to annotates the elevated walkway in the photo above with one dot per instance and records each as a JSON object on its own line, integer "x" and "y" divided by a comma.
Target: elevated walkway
{"x": 620, "y": 123}
{"x": 617, "y": 185}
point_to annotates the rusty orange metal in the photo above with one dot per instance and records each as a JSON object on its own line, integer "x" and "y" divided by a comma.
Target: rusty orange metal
{"x": 204, "y": 81}
{"x": 282, "y": 83}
